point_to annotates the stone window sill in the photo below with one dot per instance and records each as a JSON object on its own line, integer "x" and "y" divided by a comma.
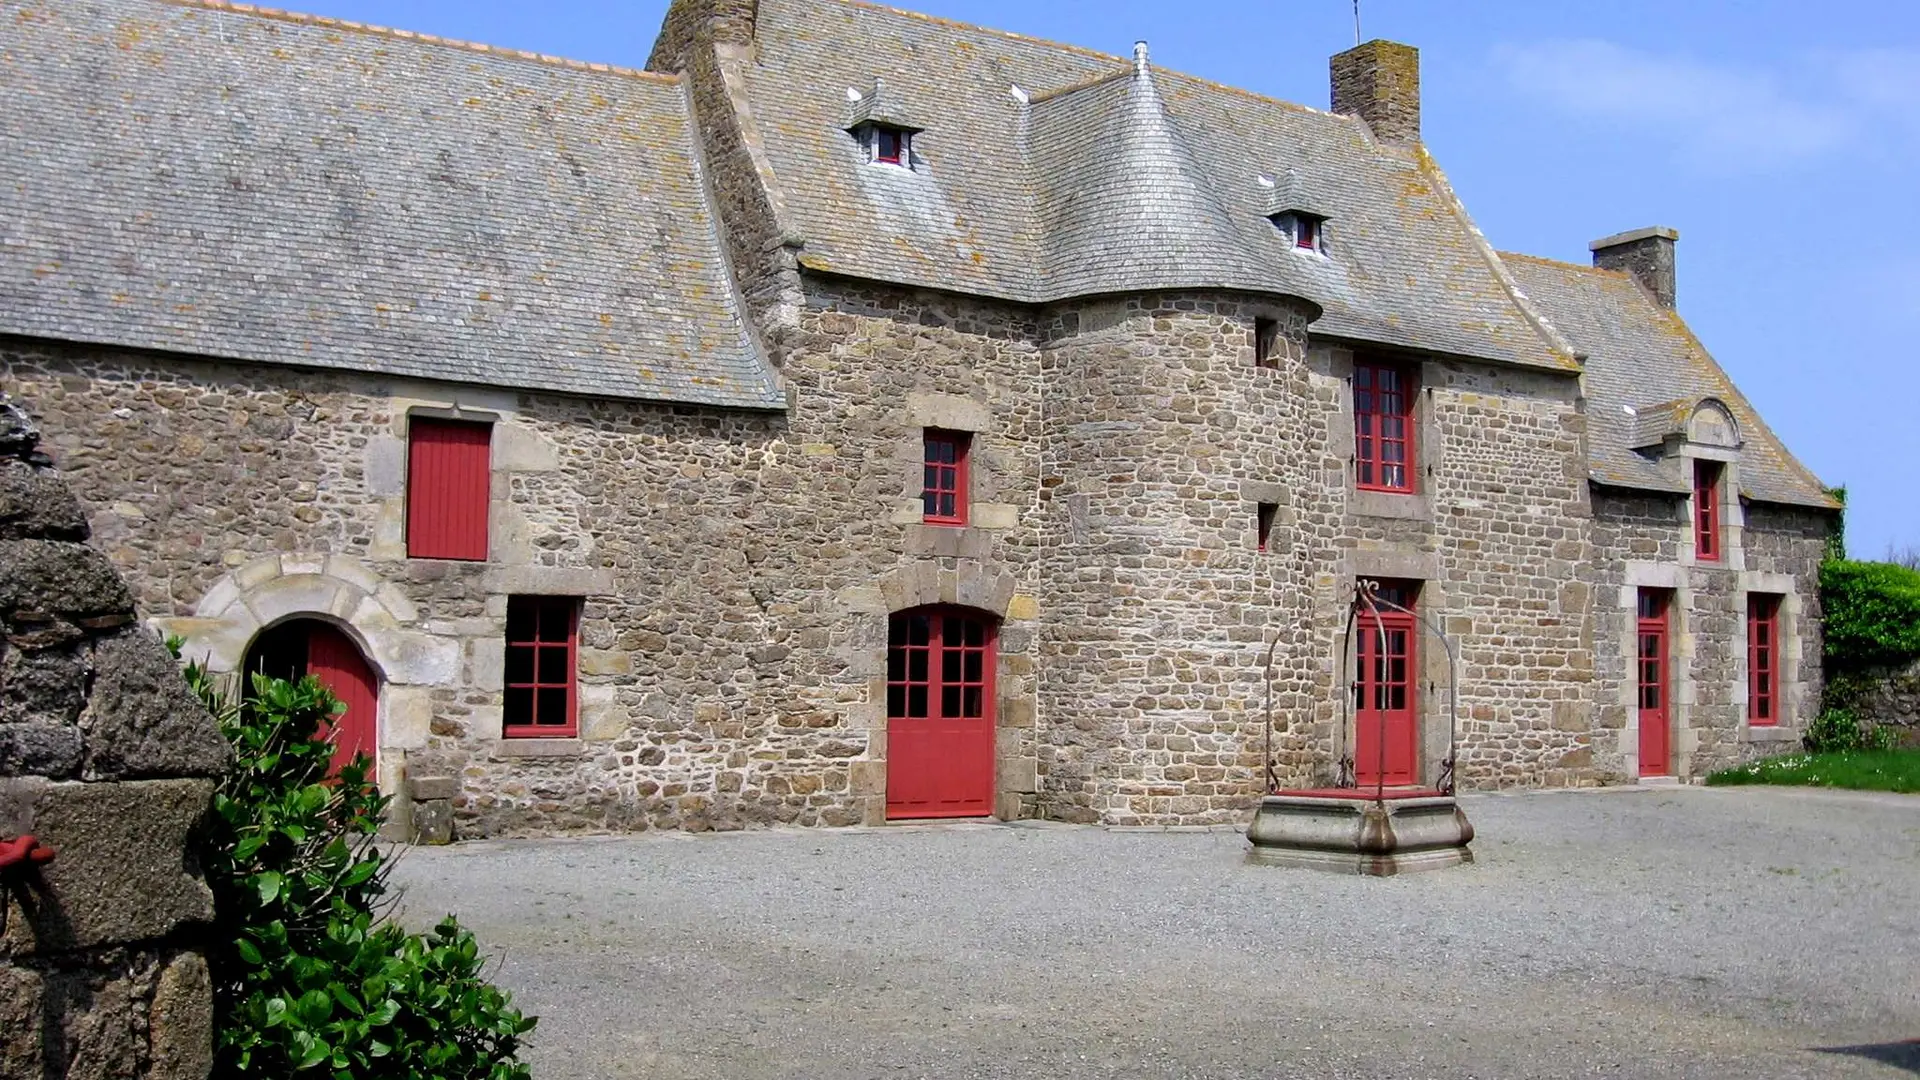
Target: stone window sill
{"x": 1410, "y": 506}
{"x": 526, "y": 748}
{"x": 1771, "y": 735}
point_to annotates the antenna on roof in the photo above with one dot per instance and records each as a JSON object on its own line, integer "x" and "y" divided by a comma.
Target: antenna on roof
{"x": 1356, "y": 22}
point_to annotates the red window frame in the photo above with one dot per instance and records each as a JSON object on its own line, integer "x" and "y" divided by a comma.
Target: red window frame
{"x": 1763, "y": 659}
{"x": 1264, "y": 514}
{"x": 449, "y": 477}
{"x": 883, "y": 137}
{"x": 940, "y": 665}
{"x": 542, "y": 667}
{"x": 1383, "y": 432}
{"x": 1306, "y": 232}
{"x": 1706, "y": 511}
{"x": 944, "y": 476}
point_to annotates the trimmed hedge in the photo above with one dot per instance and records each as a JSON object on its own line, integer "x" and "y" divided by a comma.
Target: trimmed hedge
{"x": 1872, "y": 614}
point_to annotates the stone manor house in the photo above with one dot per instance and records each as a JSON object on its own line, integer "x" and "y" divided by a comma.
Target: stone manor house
{"x": 861, "y": 416}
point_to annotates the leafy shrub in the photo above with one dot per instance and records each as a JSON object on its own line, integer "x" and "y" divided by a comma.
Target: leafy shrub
{"x": 1838, "y": 729}
{"x": 1872, "y": 613}
{"x": 308, "y": 978}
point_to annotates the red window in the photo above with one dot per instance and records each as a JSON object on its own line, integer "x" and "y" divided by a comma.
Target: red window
{"x": 1706, "y": 511}
{"x": 1263, "y": 518}
{"x": 889, "y": 145}
{"x": 943, "y": 486}
{"x": 543, "y": 635}
{"x": 1382, "y": 428}
{"x": 447, "y": 482}
{"x": 1763, "y": 659}
{"x": 1306, "y": 232}
{"x": 1265, "y": 333}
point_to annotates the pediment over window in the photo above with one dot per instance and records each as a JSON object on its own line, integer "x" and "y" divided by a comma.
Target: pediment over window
{"x": 1660, "y": 428}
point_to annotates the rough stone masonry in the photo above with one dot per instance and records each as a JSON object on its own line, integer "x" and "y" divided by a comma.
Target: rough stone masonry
{"x": 109, "y": 760}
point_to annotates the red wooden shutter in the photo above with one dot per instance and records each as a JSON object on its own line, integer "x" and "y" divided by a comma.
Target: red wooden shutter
{"x": 448, "y": 465}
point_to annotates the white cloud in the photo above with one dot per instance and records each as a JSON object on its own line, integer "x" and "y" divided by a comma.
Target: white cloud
{"x": 1726, "y": 117}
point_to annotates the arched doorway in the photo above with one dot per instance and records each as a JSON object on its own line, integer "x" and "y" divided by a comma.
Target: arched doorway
{"x": 301, "y": 647}
{"x": 940, "y": 713}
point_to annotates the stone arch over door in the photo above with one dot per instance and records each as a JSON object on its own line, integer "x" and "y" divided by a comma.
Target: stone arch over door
{"x": 408, "y": 661}
{"x": 961, "y": 585}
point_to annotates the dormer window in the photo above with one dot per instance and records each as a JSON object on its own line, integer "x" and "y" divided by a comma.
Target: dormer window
{"x": 1297, "y": 211}
{"x": 883, "y": 124}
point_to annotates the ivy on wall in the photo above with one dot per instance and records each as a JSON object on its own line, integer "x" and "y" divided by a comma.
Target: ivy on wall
{"x": 1872, "y": 614}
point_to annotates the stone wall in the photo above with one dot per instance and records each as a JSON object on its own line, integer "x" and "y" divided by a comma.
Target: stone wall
{"x": 108, "y": 759}
{"x": 1646, "y": 540}
{"x": 1889, "y": 697}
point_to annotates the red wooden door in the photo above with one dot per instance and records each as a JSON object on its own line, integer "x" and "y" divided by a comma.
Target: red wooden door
{"x": 1385, "y": 730}
{"x": 333, "y": 658}
{"x": 939, "y": 714}
{"x": 1653, "y": 672}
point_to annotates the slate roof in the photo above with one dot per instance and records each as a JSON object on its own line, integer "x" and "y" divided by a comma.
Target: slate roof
{"x": 288, "y": 189}
{"x": 1643, "y": 356}
{"x": 1110, "y": 180}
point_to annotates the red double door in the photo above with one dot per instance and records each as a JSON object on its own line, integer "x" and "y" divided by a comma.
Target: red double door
{"x": 311, "y": 647}
{"x": 940, "y": 664}
{"x": 1653, "y": 672}
{"x": 1386, "y": 728}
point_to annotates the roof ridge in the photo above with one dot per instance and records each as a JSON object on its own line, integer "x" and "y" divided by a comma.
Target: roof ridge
{"x": 1547, "y": 261}
{"x": 958, "y": 24}
{"x": 1082, "y": 50}
{"x": 1084, "y": 84}
{"x": 327, "y": 22}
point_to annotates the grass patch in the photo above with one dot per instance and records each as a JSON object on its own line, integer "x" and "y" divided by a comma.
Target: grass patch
{"x": 1858, "y": 770}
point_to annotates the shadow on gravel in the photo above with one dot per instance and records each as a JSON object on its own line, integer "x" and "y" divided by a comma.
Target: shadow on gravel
{"x": 1902, "y": 1055}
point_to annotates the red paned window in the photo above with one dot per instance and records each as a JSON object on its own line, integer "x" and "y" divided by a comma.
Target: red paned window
{"x": 1265, "y": 333}
{"x": 937, "y": 666}
{"x": 1763, "y": 659}
{"x": 1382, "y": 428}
{"x": 943, "y": 485}
{"x": 543, "y": 643}
{"x": 889, "y": 145}
{"x": 1706, "y": 511}
{"x": 1306, "y": 232}
{"x": 447, "y": 487}
{"x": 1263, "y": 518}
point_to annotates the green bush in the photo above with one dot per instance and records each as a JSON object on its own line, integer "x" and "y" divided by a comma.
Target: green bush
{"x": 1872, "y": 613}
{"x": 1838, "y": 729}
{"x": 309, "y": 980}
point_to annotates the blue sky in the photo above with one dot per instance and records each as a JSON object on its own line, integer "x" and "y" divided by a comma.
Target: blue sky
{"x": 1781, "y": 138}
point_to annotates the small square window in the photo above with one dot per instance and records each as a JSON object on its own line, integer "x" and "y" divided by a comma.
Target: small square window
{"x": 1264, "y": 514}
{"x": 890, "y": 146}
{"x": 1306, "y": 232}
{"x": 1266, "y": 333}
{"x": 543, "y": 636}
{"x": 943, "y": 486}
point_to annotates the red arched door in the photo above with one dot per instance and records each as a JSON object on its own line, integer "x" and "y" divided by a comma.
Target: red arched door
{"x": 940, "y": 665}
{"x": 311, "y": 647}
{"x": 1385, "y": 727}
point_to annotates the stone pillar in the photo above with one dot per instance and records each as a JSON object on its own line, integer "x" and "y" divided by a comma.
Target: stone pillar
{"x": 108, "y": 758}
{"x": 1647, "y": 254}
{"x": 1379, "y": 82}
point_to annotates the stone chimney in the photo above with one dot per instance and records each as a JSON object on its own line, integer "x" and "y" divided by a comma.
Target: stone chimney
{"x": 1379, "y": 82}
{"x": 1647, "y": 254}
{"x": 716, "y": 22}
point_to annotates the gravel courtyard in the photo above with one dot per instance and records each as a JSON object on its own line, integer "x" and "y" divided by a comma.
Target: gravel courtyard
{"x": 1660, "y": 932}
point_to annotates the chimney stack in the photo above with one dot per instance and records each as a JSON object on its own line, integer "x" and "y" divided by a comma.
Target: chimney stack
{"x": 1379, "y": 82}
{"x": 1647, "y": 254}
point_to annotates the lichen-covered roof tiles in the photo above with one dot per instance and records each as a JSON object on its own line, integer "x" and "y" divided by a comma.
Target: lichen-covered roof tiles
{"x": 284, "y": 189}
{"x": 1113, "y": 176}
{"x": 1643, "y": 357}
